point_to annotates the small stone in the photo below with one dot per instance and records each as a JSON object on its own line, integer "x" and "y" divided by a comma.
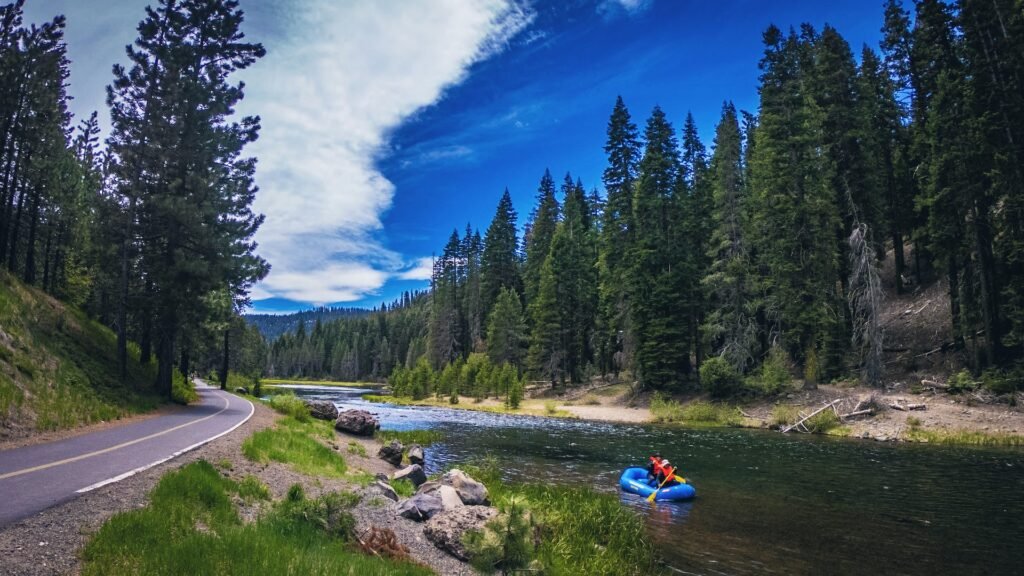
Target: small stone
{"x": 449, "y": 497}
{"x": 412, "y": 473}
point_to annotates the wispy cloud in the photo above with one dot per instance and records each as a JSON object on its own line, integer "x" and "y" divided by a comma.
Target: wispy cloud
{"x": 344, "y": 75}
{"x": 421, "y": 271}
{"x": 613, "y": 8}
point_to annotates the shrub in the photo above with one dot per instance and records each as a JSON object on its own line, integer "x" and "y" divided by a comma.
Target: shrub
{"x": 551, "y": 407}
{"x": 515, "y": 394}
{"x": 665, "y": 410}
{"x": 1002, "y": 381}
{"x": 708, "y": 413}
{"x": 250, "y": 488}
{"x": 295, "y": 493}
{"x": 183, "y": 391}
{"x": 290, "y": 404}
{"x": 505, "y": 542}
{"x": 784, "y": 415}
{"x": 822, "y": 422}
{"x": 719, "y": 378}
{"x": 775, "y": 375}
{"x": 962, "y": 381}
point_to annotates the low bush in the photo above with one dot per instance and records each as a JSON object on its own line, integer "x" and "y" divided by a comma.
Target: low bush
{"x": 183, "y": 391}
{"x": 719, "y": 378}
{"x": 664, "y": 409}
{"x": 551, "y": 407}
{"x": 290, "y": 404}
{"x": 709, "y": 413}
{"x": 822, "y": 422}
{"x": 784, "y": 415}
{"x": 774, "y": 375}
{"x": 506, "y": 542}
{"x": 962, "y": 381}
{"x": 250, "y": 489}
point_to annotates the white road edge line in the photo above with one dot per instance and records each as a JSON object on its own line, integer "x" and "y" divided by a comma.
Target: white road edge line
{"x": 128, "y": 474}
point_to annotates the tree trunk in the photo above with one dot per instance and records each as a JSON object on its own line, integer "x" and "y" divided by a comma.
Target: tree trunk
{"x": 225, "y": 361}
{"x": 12, "y": 254}
{"x": 897, "y": 251}
{"x": 165, "y": 357}
{"x": 146, "y": 338}
{"x": 122, "y": 307}
{"x": 30, "y": 248}
{"x": 46, "y": 260}
{"x": 184, "y": 361}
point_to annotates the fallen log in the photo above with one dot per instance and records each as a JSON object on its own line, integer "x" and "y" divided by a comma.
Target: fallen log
{"x": 857, "y": 413}
{"x": 800, "y": 423}
{"x": 917, "y": 406}
{"x": 934, "y": 384}
{"x": 896, "y": 406}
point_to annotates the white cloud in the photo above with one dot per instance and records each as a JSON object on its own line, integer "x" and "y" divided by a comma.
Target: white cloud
{"x": 611, "y": 8}
{"x": 423, "y": 269}
{"x": 344, "y": 76}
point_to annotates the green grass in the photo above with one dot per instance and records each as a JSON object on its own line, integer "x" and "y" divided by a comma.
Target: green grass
{"x": 275, "y": 381}
{"x": 191, "y": 527}
{"x": 403, "y": 487}
{"x": 822, "y": 422}
{"x": 294, "y": 445}
{"x": 59, "y": 369}
{"x": 183, "y": 390}
{"x": 578, "y": 531}
{"x": 356, "y": 448}
{"x": 252, "y": 489}
{"x": 964, "y": 437}
{"x": 407, "y": 437}
{"x": 699, "y": 413}
{"x": 784, "y": 415}
{"x": 290, "y": 405}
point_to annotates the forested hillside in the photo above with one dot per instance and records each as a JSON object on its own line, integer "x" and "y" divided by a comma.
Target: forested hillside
{"x": 764, "y": 252}
{"x": 151, "y": 233}
{"x": 273, "y": 325}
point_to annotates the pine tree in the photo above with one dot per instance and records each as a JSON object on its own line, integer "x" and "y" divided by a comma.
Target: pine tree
{"x": 506, "y": 330}
{"x": 542, "y": 230}
{"x": 178, "y": 157}
{"x": 499, "y": 264}
{"x": 794, "y": 217}
{"x": 729, "y": 327}
{"x": 658, "y": 308}
{"x": 623, "y": 150}
{"x": 696, "y": 194}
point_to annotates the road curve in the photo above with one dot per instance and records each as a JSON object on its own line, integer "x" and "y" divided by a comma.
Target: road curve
{"x": 35, "y": 478}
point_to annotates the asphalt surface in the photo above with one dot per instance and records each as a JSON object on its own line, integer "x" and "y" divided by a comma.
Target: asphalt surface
{"x": 34, "y": 478}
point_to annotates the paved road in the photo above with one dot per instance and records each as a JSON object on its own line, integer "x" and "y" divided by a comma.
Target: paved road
{"x": 35, "y": 478}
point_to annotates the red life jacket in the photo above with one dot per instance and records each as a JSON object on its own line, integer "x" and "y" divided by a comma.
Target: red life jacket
{"x": 656, "y": 467}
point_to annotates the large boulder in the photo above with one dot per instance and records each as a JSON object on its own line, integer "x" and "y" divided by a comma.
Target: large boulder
{"x": 322, "y": 409}
{"x": 420, "y": 507}
{"x": 391, "y": 453}
{"x": 416, "y": 454}
{"x": 414, "y": 474}
{"x": 471, "y": 492}
{"x": 359, "y": 422}
{"x": 447, "y": 529}
{"x": 382, "y": 489}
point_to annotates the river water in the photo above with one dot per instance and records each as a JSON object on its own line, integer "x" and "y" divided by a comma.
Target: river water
{"x": 767, "y": 503}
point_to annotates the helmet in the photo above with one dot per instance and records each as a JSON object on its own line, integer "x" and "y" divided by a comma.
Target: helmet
{"x": 665, "y": 462}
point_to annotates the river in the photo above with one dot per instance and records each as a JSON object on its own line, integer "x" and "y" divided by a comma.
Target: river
{"x": 767, "y": 503}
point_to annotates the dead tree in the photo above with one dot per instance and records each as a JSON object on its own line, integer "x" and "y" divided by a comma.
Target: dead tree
{"x": 865, "y": 298}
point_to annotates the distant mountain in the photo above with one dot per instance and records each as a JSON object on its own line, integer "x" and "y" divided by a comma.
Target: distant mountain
{"x": 274, "y": 325}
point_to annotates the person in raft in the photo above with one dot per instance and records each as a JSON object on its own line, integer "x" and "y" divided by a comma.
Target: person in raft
{"x": 657, "y": 469}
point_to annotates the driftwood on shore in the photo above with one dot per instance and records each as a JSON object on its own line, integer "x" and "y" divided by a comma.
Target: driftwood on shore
{"x": 907, "y": 407}
{"x": 799, "y": 425}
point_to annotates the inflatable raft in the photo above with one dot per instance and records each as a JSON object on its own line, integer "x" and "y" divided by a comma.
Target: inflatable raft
{"x": 635, "y": 480}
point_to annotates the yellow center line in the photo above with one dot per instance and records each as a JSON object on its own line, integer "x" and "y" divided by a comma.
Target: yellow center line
{"x": 111, "y": 448}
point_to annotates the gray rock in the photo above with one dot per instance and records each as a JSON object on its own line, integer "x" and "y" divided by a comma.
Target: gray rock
{"x": 379, "y": 488}
{"x": 322, "y": 409}
{"x": 416, "y": 454}
{"x": 446, "y": 529}
{"x": 428, "y": 487}
{"x": 358, "y": 422}
{"x": 420, "y": 507}
{"x": 412, "y": 473}
{"x": 382, "y": 477}
{"x": 471, "y": 492}
{"x": 391, "y": 453}
{"x": 449, "y": 497}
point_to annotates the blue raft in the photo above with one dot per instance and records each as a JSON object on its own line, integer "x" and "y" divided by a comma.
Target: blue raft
{"x": 635, "y": 480}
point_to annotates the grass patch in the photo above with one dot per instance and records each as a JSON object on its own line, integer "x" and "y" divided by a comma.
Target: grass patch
{"x": 664, "y": 409}
{"x": 59, "y": 369}
{"x": 278, "y": 381}
{"x": 551, "y": 407}
{"x": 576, "y": 530}
{"x": 964, "y": 437}
{"x": 251, "y": 489}
{"x": 294, "y": 446}
{"x": 290, "y": 405}
{"x": 784, "y": 415}
{"x": 822, "y": 422}
{"x": 407, "y": 437}
{"x": 356, "y": 448}
{"x": 700, "y": 413}
{"x": 191, "y": 527}
{"x": 403, "y": 487}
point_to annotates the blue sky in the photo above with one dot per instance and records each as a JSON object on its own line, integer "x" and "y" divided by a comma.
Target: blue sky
{"x": 387, "y": 124}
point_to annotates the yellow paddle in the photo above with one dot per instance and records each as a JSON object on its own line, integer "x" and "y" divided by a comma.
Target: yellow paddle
{"x": 668, "y": 477}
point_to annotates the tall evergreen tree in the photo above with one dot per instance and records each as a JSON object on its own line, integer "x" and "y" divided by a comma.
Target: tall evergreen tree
{"x": 178, "y": 156}
{"x": 542, "y": 230}
{"x": 499, "y": 264}
{"x": 623, "y": 150}
{"x": 506, "y": 330}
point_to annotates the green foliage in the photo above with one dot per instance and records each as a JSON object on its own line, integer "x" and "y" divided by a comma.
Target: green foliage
{"x": 775, "y": 375}
{"x": 822, "y": 422}
{"x": 295, "y": 447}
{"x": 183, "y": 390}
{"x": 251, "y": 489}
{"x": 964, "y": 437}
{"x": 719, "y": 378}
{"x": 706, "y": 413}
{"x": 664, "y": 409}
{"x": 551, "y": 407}
{"x": 1003, "y": 381}
{"x": 403, "y": 487}
{"x": 962, "y": 381}
{"x": 295, "y": 493}
{"x": 506, "y": 329}
{"x": 408, "y": 437}
{"x": 190, "y": 527}
{"x": 506, "y": 543}
{"x": 515, "y": 393}
{"x": 289, "y": 404}
{"x": 356, "y": 448}
{"x": 784, "y": 415}
{"x": 575, "y": 530}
